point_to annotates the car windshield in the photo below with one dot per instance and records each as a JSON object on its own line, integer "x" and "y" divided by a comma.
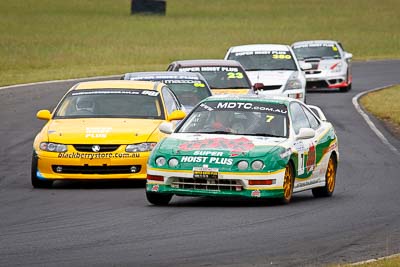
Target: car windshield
{"x": 111, "y": 103}
{"x": 220, "y": 77}
{"x": 188, "y": 92}
{"x": 264, "y": 60}
{"x": 323, "y": 51}
{"x": 238, "y": 118}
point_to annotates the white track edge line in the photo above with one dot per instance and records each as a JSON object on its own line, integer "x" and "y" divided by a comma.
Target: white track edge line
{"x": 374, "y": 260}
{"x": 56, "y": 81}
{"x": 368, "y": 120}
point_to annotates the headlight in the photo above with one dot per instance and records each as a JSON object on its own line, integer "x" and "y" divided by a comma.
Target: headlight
{"x": 293, "y": 82}
{"x": 257, "y": 165}
{"x": 336, "y": 67}
{"x": 142, "y": 147}
{"x": 243, "y": 165}
{"x": 53, "y": 147}
{"x": 160, "y": 161}
{"x": 173, "y": 162}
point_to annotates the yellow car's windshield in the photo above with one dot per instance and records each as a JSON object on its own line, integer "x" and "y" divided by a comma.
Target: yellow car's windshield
{"x": 111, "y": 103}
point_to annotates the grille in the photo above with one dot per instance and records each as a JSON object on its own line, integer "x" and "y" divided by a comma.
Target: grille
{"x": 316, "y": 84}
{"x": 313, "y": 72}
{"x": 333, "y": 81}
{"x": 119, "y": 169}
{"x": 206, "y": 184}
{"x": 271, "y": 87}
{"x": 314, "y": 64}
{"x": 103, "y": 148}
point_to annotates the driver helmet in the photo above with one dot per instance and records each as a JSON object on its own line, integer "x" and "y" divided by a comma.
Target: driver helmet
{"x": 85, "y": 103}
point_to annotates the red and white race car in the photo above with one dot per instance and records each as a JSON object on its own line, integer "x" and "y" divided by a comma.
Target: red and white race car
{"x": 331, "y": 65}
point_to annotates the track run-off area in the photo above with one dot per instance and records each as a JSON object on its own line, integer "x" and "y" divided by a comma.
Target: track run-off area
{"x": 111, "y": 223}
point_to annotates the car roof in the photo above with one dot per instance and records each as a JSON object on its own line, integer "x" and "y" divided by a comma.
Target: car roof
{"x": 116, "y": 84}
{"x": 207, "y": 62}
{"x": 314, "y": 42}
{"x": 259, "y": 47}
{"x": 251, "y": 98}
{"x": 166, "y": 75}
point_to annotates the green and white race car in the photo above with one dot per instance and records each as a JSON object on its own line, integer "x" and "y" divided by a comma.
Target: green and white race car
{"x": 245, "y": 146}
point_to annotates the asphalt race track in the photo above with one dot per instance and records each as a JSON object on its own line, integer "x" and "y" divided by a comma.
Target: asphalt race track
{"x": 81, "y": 224}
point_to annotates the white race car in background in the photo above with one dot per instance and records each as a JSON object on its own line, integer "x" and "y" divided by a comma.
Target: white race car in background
{"x": 331, "y": 65}
{"x": 275, "y": 66}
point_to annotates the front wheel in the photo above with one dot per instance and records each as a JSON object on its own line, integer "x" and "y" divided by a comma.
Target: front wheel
{"x": 288, "y": 184}
{"x": 36, "y": 182}
{"x": 345, "y": 89}
{"x": 330, "y": 180}
{"x": 158, "y": 199}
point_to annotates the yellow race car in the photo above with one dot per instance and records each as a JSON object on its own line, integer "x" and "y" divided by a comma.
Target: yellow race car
{"x": 102, "y": 130}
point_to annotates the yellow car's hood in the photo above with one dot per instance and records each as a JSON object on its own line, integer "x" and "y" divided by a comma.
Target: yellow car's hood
{"x": 230, "y": 91}
{"x": 101, "y": 131}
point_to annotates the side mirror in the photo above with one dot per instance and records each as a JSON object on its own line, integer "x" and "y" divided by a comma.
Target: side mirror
{"x": 176, "y": 115}
{"x": 305, "y": 66}
{"x": 317, "y": 111}
{"x": 166, "y": 127}
{"x": 348, "y": 56}
{"x": 43, "y": 114}
{"x": 258, "y": 86}
{"x": 305, "y": 133}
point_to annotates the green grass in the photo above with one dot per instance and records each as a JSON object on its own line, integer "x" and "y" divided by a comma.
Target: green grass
{"x": 47, "y": 39}
{"x": 384, "y": 104}
{"x": 392, "y": 261}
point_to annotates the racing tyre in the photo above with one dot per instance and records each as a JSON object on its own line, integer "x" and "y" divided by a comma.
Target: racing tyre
{"x": 158, "y": 199}
{"x": 345, "y": 89}
{"x": 330, "y": 180}
{"x": 288, "y": 184}
{"x": 36, "y": 182}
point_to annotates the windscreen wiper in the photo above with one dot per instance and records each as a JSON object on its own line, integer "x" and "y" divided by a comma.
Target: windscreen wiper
{"x": 216, "y": 132}
{"x": 264, "y": 134}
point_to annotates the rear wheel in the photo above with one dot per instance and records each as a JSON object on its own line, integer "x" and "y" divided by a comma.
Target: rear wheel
{"x": 330, "y": 180}
{"x": 36, "y": 182}
{"x": 288, "y": 184}
{"x": 158, "y": 199}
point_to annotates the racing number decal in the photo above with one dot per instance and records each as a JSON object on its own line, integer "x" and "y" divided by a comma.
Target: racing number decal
{"x": 269, "y": 118}
{"x": 235, "y": 75}
{"x": 301, "y": 148}
{"x": 300, "y": 170}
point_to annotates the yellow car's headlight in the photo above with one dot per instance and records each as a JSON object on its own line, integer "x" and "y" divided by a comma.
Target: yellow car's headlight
{"x": 142, "y": 147}
{"x": 53, "y": 147}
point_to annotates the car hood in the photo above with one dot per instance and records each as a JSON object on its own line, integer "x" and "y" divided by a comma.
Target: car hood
{"x": 100, "y": 130}
{"x": 191, "y": 144}
{"x": 270, "y": 77}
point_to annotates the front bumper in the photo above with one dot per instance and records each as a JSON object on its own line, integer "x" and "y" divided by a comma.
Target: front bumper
{"x": 247, "y": 193}
{"x": 74, "y": 166}
{"x": 227, "y": 185}
{"x": 327, "y": 80}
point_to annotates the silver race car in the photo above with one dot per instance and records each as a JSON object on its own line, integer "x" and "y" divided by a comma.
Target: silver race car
{"x": 274, "y": 66}
{"x": 331, "y": 65}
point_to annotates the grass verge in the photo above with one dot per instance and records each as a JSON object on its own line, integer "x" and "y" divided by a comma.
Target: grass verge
{"x": 390, "y": 262}
{"x": 384, "y": 104}
{"x": 46, "y": 39}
